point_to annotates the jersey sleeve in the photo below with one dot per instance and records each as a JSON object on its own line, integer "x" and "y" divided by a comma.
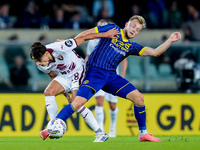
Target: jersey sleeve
{"x": 89, "y": 47}
{"x": 43, "y": 69}
{"x": 137, "y": 49}
{"x": 104, "y": 27}
{"x": 63, "y": 46}
{"x": 70, "y": 44}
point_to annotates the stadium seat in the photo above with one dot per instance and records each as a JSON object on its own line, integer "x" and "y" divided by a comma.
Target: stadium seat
{"x": 4, "y": 74}
{"x": 134, "y": 70}
{"x": 165, "y": 70}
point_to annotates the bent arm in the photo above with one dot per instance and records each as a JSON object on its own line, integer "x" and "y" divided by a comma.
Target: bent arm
{"x": 86, "y": 32}
{"x": 176, "y": 36}
{"x": 91, "y": 34}
{"x": 52, "y": 74}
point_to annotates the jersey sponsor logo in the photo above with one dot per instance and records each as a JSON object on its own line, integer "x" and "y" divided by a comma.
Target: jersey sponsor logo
{"x": 86, "y": 82}
{"x": 117, "y": 50}
{"x": 72, "y": 66}
{"x": 61, "y": 66}
{"x": 120, "y": 44}
{"x": 68, "y": 43}
{"x": 60, "y": 57}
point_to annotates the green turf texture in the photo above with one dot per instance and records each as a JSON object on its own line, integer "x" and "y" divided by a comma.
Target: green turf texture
{"x": 86, "y": 143}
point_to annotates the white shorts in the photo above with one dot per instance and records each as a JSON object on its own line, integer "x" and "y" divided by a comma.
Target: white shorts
{"x": 111, "y": 98}
{"x": 73, "y": 81}
{"x": 108, "y": 97}
{"x": 99, "y": 93}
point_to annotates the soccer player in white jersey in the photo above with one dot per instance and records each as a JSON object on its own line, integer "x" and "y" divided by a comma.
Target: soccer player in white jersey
{"x": 99, "y": 109}
{"x": 66, "y": 69}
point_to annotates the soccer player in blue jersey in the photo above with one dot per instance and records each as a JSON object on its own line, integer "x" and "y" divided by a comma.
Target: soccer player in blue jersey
{"x": 101, "y": 71}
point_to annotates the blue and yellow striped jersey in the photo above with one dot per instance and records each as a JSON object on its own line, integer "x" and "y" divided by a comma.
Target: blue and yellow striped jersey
{"x": 110, "y": 52}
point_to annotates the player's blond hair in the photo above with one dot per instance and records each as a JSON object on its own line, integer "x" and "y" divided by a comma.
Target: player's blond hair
{"x": 140, "y": 19}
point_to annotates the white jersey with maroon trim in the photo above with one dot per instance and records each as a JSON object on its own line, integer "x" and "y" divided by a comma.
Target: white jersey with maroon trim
{"x": 66, "y": 59}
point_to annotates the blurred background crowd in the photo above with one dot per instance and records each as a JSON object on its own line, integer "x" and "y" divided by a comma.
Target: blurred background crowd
{"x": 84, "y": 14}
{"x": 78, "y": 14}
{"x": 172, "y": 72}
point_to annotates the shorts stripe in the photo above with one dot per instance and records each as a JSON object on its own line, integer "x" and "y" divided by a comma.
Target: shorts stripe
{"x": 122, "y": 87}
{"x": 90, "y": 87}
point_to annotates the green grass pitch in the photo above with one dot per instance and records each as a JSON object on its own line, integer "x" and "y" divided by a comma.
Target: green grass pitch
{"x": 86, "y": 143}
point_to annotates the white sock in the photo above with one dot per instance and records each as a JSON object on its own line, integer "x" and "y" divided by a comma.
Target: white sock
{"x": 89, "y": 118}
{"x": 143, "y": 132}
{"x": 99, "y": 113}
{"x": 113, "y": 115}
{"x": 51, "y": 106}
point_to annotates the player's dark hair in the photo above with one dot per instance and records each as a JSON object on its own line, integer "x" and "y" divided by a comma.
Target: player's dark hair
{"x": 37, "y": 50}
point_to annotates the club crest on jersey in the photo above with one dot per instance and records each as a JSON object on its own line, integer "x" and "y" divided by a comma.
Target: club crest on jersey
{"x": 60, "y": 57}
{"x": 86, "y": 82}
{"x": 68, "y": 43}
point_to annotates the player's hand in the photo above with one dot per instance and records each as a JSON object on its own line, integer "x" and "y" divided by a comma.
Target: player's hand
{"x": 111, "y": 33}
{"x": 176, "y": 36}
{"x": 68, "y": 97}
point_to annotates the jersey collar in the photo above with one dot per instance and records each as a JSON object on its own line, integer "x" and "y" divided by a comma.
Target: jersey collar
{"x": 122, "y": 33}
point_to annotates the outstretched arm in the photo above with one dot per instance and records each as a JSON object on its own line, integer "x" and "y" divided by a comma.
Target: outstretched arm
{"x": 91, "y": 34}
{"x": 86, "y": 32}
{"x": 176, "y": 36}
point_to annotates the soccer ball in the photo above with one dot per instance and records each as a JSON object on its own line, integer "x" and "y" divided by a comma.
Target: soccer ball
{"x": 56, "y": 128}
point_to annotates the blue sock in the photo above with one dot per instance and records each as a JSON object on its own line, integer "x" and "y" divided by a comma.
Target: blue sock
{"x": 66, "y": 112}
{"x": 140, "y": 115}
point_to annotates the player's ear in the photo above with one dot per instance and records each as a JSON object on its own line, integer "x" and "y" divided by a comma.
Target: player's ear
{"x": 46, "y": 53}
{"x": 126, "y": 24}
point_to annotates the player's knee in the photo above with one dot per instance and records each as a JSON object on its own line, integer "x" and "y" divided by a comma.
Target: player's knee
{"x": 112, "y": 106}
{"x": 48, "y": 92}
{"x": 78, "y": 103}
{"x": 140, "y": 99}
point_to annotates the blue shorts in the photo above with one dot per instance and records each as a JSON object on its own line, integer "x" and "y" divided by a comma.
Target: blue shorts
{"x": 109, "y": 81}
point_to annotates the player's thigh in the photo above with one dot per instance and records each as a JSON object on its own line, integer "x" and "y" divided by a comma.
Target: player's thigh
{"x": 77, "y": 78}
{"x": 119, "y": 86}
{"x": 54, "y": 88}
{"x": 94, "y": 80}
{"x": 65, "y": 83}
